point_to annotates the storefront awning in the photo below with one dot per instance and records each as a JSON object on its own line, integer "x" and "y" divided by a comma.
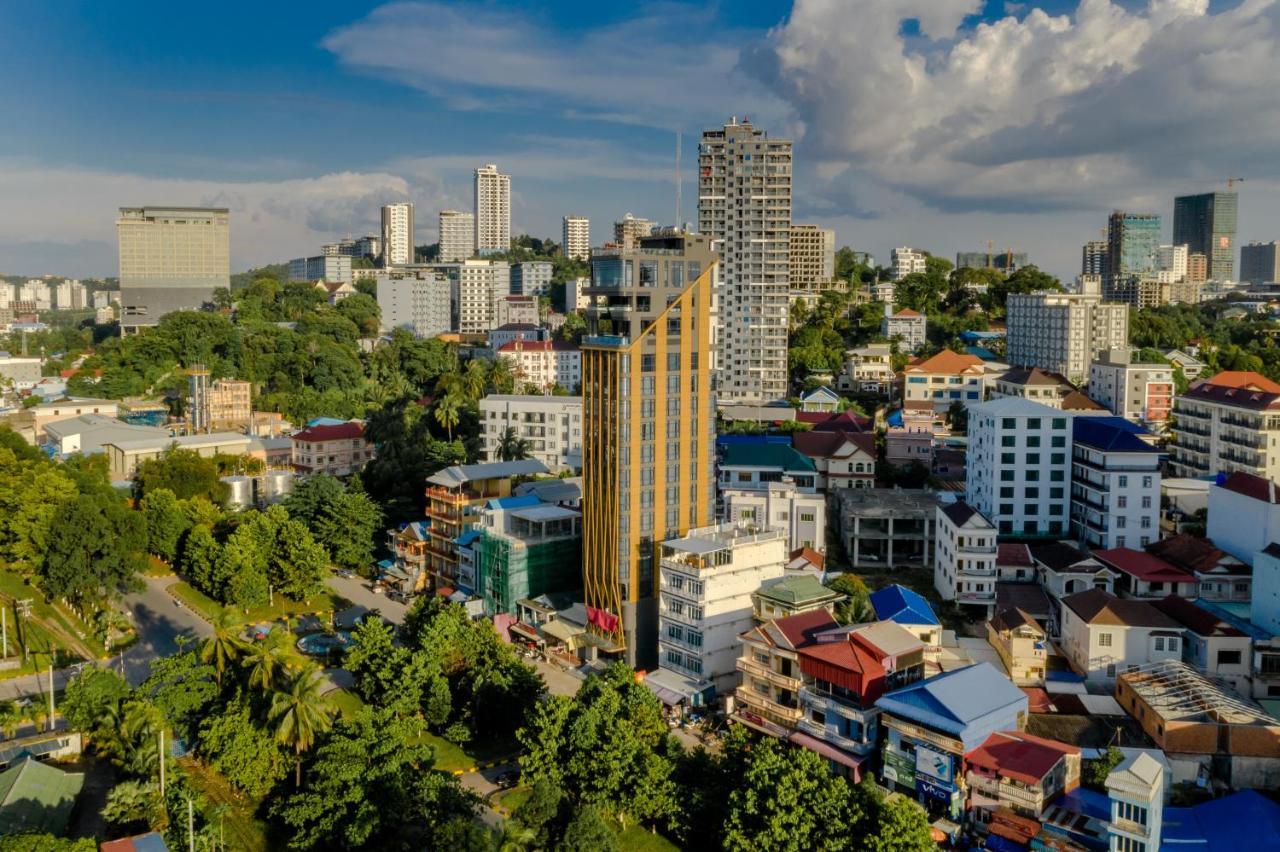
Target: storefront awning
{"x": 666, "y": 696}
{"x": 696, "y": 693}
{"x": 562, "y": 630}
{"x": 527, "y": 632}
{"x": 830, "y": 752}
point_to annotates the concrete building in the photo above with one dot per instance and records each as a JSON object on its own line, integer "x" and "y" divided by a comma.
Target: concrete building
{"x": 526, "y": 547}
{"x": 224, "y": 405}
{"x": 1145, "y": 576}
{"x": 1173, "y": 260}
{"x": 944, "y": 379}
{"x": 1136, "y": 792}
{"x": 457, "y": 236}
{"x": 907, "y": 325}
{"x": 1102, "y": 635}
{"x": 171, "y": 259}
{"x": 1063, "y": 332}
{"x": 321, "y": 267}
{"x": 531, "y": 278}
{"x": 649, "y": 458}
{"x": 88, "y": 433}
{"x": 907, "y": 261}
{"x": 124, "y": 455}
{"x": 477, "y": 287}
{"x": 419, "y": 300}
{"x": 1206, "y": 224}
{"x": 1197, "y": 268}
{"x": 1142, "y": 393}
{"x": 1133, "y": 242}
{"x": 842, "y": 459}
{"x": 336, "y": 449}
{"x": 1022, "y": 644}
{"x": 801, "y": 517}
{"x": 492, "y": 209}
{"x": 1244, "y": 515}
{"x": 753, "y": 465}
{"x": 1211, "y": 645}
{"x": 1042, "y": 386}
{"x": 1115, "y": 484}
{"x": 1260, "y": 263}
{"x": 704, "y": 598}
{"x": 30, "y": 422}
{"x": 23, "y": 373}
{"x": 964, "y": 557}
{"x": 1093, "y": 261}
{"x": 525, "y": 332}
{"x": 1013, "y": 778}
{"x": 544, "y": 364}
{"x": 744, "y": 206}
{"x": 1229, "y": 422}
{"x": 1004, "y": 261}
{"x": 551, "y": 426}
{"x": 369, "y": 246}
{"x": 812, "y": 261}
{"x": 398, "y": 246}
{"x": 768, "y": 699}
{"x": 869, "y": 369}
{"x": 628, "y": 230}
{"x": 792, "y": 595}
{"x": 888, "y": 528}
{"x": 1019, "y": 466}
{"x": 575, "y": 238}
{"x": 1264, "y": 606}
{"x": 575, "y": 298}
{"x": 516, "y": 310}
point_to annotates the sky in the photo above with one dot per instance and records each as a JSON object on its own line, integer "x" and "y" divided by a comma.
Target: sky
{"x": 940, "y": 124}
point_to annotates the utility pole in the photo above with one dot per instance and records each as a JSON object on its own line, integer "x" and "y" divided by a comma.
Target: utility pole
{"x": 162, "y": 763}
{"x": 24, "y": 610}
{"x": 191, "y": 825}
{"x": 51, "y": 708}
{"x": 4, "y": 629}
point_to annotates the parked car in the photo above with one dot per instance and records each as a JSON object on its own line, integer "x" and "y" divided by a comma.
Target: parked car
{"x": 345, "y": 574}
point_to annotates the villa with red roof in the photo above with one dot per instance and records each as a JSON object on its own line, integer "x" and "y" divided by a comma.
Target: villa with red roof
{"x": 943, "y": 379}
{"x": 906, "y": 324}
{"x": 544, "y": 364}
{"x": 1146, "y": 576}
{"x": 1018, "y": 772}
{"x": 1227, "y": 423}
{"x": 842, "y": 459}
{"x": 338, "y": 449}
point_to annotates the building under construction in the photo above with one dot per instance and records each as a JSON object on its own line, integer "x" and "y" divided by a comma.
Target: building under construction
{"x": 527, "y": 548}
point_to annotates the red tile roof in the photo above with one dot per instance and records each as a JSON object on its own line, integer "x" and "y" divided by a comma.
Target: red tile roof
{"x": 1038, "y": 701}
{"x": 1238, "y": 389}
{"x": 1014, "y": 555}
{"x": 906, "y": 312}
{"x": 1257, "y": 487}
{"x": 1143, "y": 566}
{"x": 1076, "y": 401}
{"x": 537, "y": 346}
{"x": 799, "y": 629}
{"x": 813, "y": 557}
{"x": 1244, "y": 380}
{"x": 945, "y": 362}
{"x": 336, "y": 432}
{"x": 1197, "y": 620}
{"x": 1187, "y": 551}
{"x": 1022, "y": 757}
{"x": 825, "y": 421}
{"x": 827, "y": 444}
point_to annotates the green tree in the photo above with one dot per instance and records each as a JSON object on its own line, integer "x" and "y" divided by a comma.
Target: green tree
{"x": 538, "y": 813}
{"x": 348, "y": 525}
{"x": 268, "y": 660}
{"x": 448, "y": 412}
{"x": 512, "y": 447}
{"x": 91, "y": 697}
{"x": 166, "y": 523}
{"x": 1094, "y": 772}
{"x": 297, "y": 564}
{"x": 135, "y": 807}
{"x": 183, "y": 472}
{"x": 98, "y": 551}
{"x": 32, "y": 492}
{"x": 590, "y": 830}
{"x": 222, "y": 649}
{"x": 312, "y": 496}
{"x": 183, "y": 688}
{"x": 246, "y": 754}
{"x": 856, "y": 607}
{"x": 362, "y": 310}
{"x": 895, "y": 825}
{"x": 300, "y": 713}
{"x": 201, "y": 562}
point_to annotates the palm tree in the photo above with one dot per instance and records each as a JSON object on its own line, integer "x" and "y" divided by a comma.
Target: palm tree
{"x": 448, "y": 412}
{"x": 225, "y": 646}
{"x": 300, "y": 713}
{"x": 475, "y": 379}
{"x": 500, "y": 377}
{"x": 511, "y": 447}
{"x": 270, "y": 658}
{"x": 11, "y": 718}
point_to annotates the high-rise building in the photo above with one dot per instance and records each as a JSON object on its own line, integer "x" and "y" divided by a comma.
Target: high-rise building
{"x": 907, "y": 261}
{"x": 576, "y": 238}
{"x": 171, "y": 259}
{"x": 1019, "y": 467}
{"x": 1197, "y": 268}
{"x": 744, "y": 205}
{"x": 419, "y": 300}
{"x": 629, "y": 229}
{"x": 477, "y": 287}
{"x": 1260, "y": 263}
{"x": 532, "y": 278}
{"x": 813, "y": 258}
{"x": 1094, "y": 258}
{"x": 1227, "y": 423}
{"x": 492, "y": 209}
{"x": 1172, "y": 259}
{"x": 366, "y": 246}
{"x": 397, "y": 234}
{"x": 648, "y": 456}
{"x": 457, "y": 236}
{"x": 1133, "y": 242}
{"x": 1063, "y": 332}
{"x": 1207, "y": 224}
{"x": 1005, "y": 261}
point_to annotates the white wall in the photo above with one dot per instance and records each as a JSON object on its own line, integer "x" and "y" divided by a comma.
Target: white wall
{"x": 1241, "y": 525}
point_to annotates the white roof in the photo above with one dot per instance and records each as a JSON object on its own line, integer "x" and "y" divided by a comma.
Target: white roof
{"x": 184, "y": 442}
{"x": 1015, "y": 406}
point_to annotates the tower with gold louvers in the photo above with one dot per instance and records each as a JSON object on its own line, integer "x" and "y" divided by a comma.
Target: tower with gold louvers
{"x": 649, "y": 418}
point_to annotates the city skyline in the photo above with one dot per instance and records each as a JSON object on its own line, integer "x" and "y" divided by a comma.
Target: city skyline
{"x": 208, "y": 126}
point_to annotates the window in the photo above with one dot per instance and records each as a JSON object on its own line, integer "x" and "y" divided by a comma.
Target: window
{"x": 1008, "y": 441}
{"x": 1122, "y": 501}
{"x": 1033, "y": 440}
{"x": 1146, "y": 482}
{"x": 818, "y": 717}
{"x": 1123, "y": 481}
{"x": 1228, "y": 658}
{"x": 1006, "y": 491}
{"x": 1033, "y": 423}
{"x": 1033, "y": 458}
{"x": 1008, "y": 423}
{"x": 1058, "y": 441}
{"x": 1058, "y": 458}
{"x": 1111, "y": 670}
{"x": 1006, "y": 475}
{"x": 1159, "y": 643}
{"x": 1059, "y": 423}
{"x": 1008, "y": 458}
{"x": 1104, "y": 640}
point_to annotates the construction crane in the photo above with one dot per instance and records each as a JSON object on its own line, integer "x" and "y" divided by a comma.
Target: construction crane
{"x": 1232, "y": 181}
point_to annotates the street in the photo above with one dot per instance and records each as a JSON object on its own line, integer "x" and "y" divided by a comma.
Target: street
{"x": 356, "y": 590}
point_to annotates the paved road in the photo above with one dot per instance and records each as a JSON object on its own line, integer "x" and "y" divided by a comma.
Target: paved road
{"x": 356, "y": 590}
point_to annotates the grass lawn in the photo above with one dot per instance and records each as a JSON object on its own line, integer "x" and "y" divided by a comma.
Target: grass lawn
{"x": 637, "y": 838}
{"x": 449, "y": 757}
{"x": 52, "y": 627}
{"x": 243, "y": 829}
{"x": 207, "y": 608}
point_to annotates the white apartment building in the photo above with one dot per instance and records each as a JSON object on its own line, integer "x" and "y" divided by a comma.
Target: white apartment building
{"x": 575, "y": 239}
{"x": 1142, "y": 393}
{"x": 780, "y": 505}
{"x": 1172, "y": 260}
{"x": 629, "y": 229}
{"x": 397, "y": 234}
{"x": 906, "y": 324}
{"x": 551, "y": 426}
{"x": 868, "y": 369}
{"x": 69, "y": 295}
{"x": 946, "y": 378}
{"x": 1103, "y": 635}
{"x": 544, "y": 364}
{"x": 1226, "y": 423}
{"x": 1018, "y": 469}
{"x": 1135, "y": 789}
{"x": 1115, "y": 485}
{"x": 1063, "y": 332}
{"x": 171, "y": 259}
{"x": 492, "y": 209}
{"x": 907, "y": 261}
{"x": 964, "y": 556}
{"x": 744, "y": 205}
{"x": 531, "y": 278}
{"x": 477, "y": 287}
{"x": 516, "y": 310}
{"x": 1244, "y": 516}
{"x": 321, "y": 267}
{"x": 812, "y": 264}
{"x": 575, "y": 299}
{"x": 420, "y": 301}
{"x": 457, "y": 236}
{"x": 704, "y": 598}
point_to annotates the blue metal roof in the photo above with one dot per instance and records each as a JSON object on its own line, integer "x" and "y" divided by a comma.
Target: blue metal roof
{"x": 969, "y": 704}
{"x": 981, "y": 352}
{"x": 1113, "y": 434}
{"x": 522, "y": 502}
{"x": 900, "y": 604}
{"x": 325, "y": 421}
{"x": 1082, "y": 800}
{"x": 466, "y": 538}
{"x": 726, "y": 439}
{"x": 1244, "y": 820}
{"x": 765, "y": 456}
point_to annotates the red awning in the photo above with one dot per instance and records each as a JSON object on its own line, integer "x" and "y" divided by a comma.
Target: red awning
{"x": 830, "y": 752}
{"x": 527, "y": 632}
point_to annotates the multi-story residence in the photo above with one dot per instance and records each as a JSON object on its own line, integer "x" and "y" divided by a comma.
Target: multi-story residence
{"x": 628, "y": 230}
{"x": 544, "y": 364}
{"x": 525, "y": 548}
{"x": 477, "y": 287}
{"x": 930, "y": 726}
{"x": 944, "y": 379}
{"x": 752, "y": 466}
{"x": 769, "y": 697}
{"x": 1021, "y": 643}
{"x": 812, "y": 265}
{"x": 492, "y": 209}
{"x": 1115, "y": 484}
{"x": 790, "y": 596}
{"x": 457, "y": 236}
{"x": 1063, "y": 332}
{"x": 368, "y": 246}
{"x": 523, "y": 331}
{"x": 418, "y": 300}
{"x": 171, "y": 259}
{"x": 649, "y": 454}
{"x": 780, "y": 505}
{"x": 1190, "y": 365}
{"x": 531, "y": 278}
{"x": 1173, "y": 260}
{"x": 1260, "y": 263}
{"x": 1210, "y": 644}
{"x": 550, "y": 426}
{"x": 338, "y": 449}
{"x": 869, "y": 369}
{"x": 1136, "y": 792}
{"x": 907, "y": 261}
{"x": 909, "y": 610}
{"x": 1043, "y": 386}
{"x": 704, "y": 597}
{"x": 1018, "y": 772}
{"x": 964, "y": 557}
{"x": 321, "y": 267}
{"x": 1093, "y": 260}
{"x": 744, "y": 206}
{"x": 1206, "y": 224}
{"x": 842, "y": 459}
{"x": 1222, "y": 577}
{"x": 887, "y": 528}
{"x": 1019, "y": 465}
{"x": 1142, "y": 575}
{"x": 1139, "y": 392}
{"x": 1229, "y": 422}
{"x": 456, "y": 498}
{"x": 224, "y": 405}
{"x": 407, "y": 567}
{"x": 1063, "y": 568}
{"x": 1103, "y": 635}
{"x": 575, "y": 238}
{"x": 397, "y": 234}
{"x": 907, "y": 326}
{"x": 515, "y": 309}
{"x": 1244, "y": 515}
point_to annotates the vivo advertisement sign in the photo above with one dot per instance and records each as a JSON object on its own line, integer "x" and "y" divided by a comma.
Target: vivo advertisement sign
{"x": 935, "y": 764}
{"x": 933, "y": 791}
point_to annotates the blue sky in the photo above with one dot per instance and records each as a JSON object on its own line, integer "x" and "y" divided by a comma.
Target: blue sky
{"x": 937, "y": 123}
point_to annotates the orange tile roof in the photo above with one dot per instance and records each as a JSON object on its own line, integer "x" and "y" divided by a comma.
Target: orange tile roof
{"x": 906, "y": 312}
{"x": 946, "y": 362}
{"x": 1244, "y": 380}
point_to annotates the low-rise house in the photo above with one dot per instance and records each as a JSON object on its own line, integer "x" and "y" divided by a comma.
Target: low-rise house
{"x": 888, "y": 528}
{"x": 36, "y": 798}
{"x": 869, "y": 370}
{"x": 1103, "y": 635}
{"x": 88, "y": 433}
{"x": 407, "y": 567}
{"x": 124, "y": 456}
{"x": 908, "y": 609}
{"x": 823, "y": 400}
{"x": 1190, "y": 366}
{"x": 1023, "y": 645}
{"x": 906, "y": 444}
{"x": 1244, "y": 515}
{"x": 908, "y": 325}
{"x": 526, "y": 332}
{"x": 769, "y": 697}
{"x": 1042, "y": 386}
{"x": 1142, "y": 575}
{"x": 752, "y": 466}
{"x": 930, "y": 726}
{"x": 1115, "y": 484}
{"x": 944, "y": 379}
{"x": 801, "y": 516}
{"x": 1065, "y": 569}
{"x": 1222, "y": 577}
{"x": 1014, "y": 563}
{"x": 807, "y": 561}
{"x": 30, "y": 422}
{"x": 1019, "y": 772}
{"x": 964, "y": 556}
{"x": 790, "y": 596}
{"x": 336, "y": 449}
{"x": 1210, "y": 644}
{"x": 842, "y": 459}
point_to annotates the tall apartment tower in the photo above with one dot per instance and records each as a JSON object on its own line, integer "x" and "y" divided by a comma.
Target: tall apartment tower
{"x": 648, "y": 460}
{"x": 813, "y": 258}
{"x": 628, "y": 230}
{"x": 1260, "y": 263}
{"x": 457, "y": 236}
{"x": 1093, "y": 259}
{"x": 576, "y": 238}
{"x": 1063, "y": 332}
{"x": 1207, "y": 224}
{"x": 397, "y": 234}
{"x": 744, "y": 205}
{"x": 171, "y": 259}
{"x": 1133, "y": 243}
{"x": 493, "y": 209}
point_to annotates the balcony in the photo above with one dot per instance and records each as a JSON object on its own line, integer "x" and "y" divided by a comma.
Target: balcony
{"x": 812, "y": 696}
{"x": 1008, "y": 792}
{"x": 821, "y": 732}
{"x": 1251, "y": 442}
{"x": 768, "y": 708}
{"x": 749, "y": 666}
{"x": 976, "y": 597}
